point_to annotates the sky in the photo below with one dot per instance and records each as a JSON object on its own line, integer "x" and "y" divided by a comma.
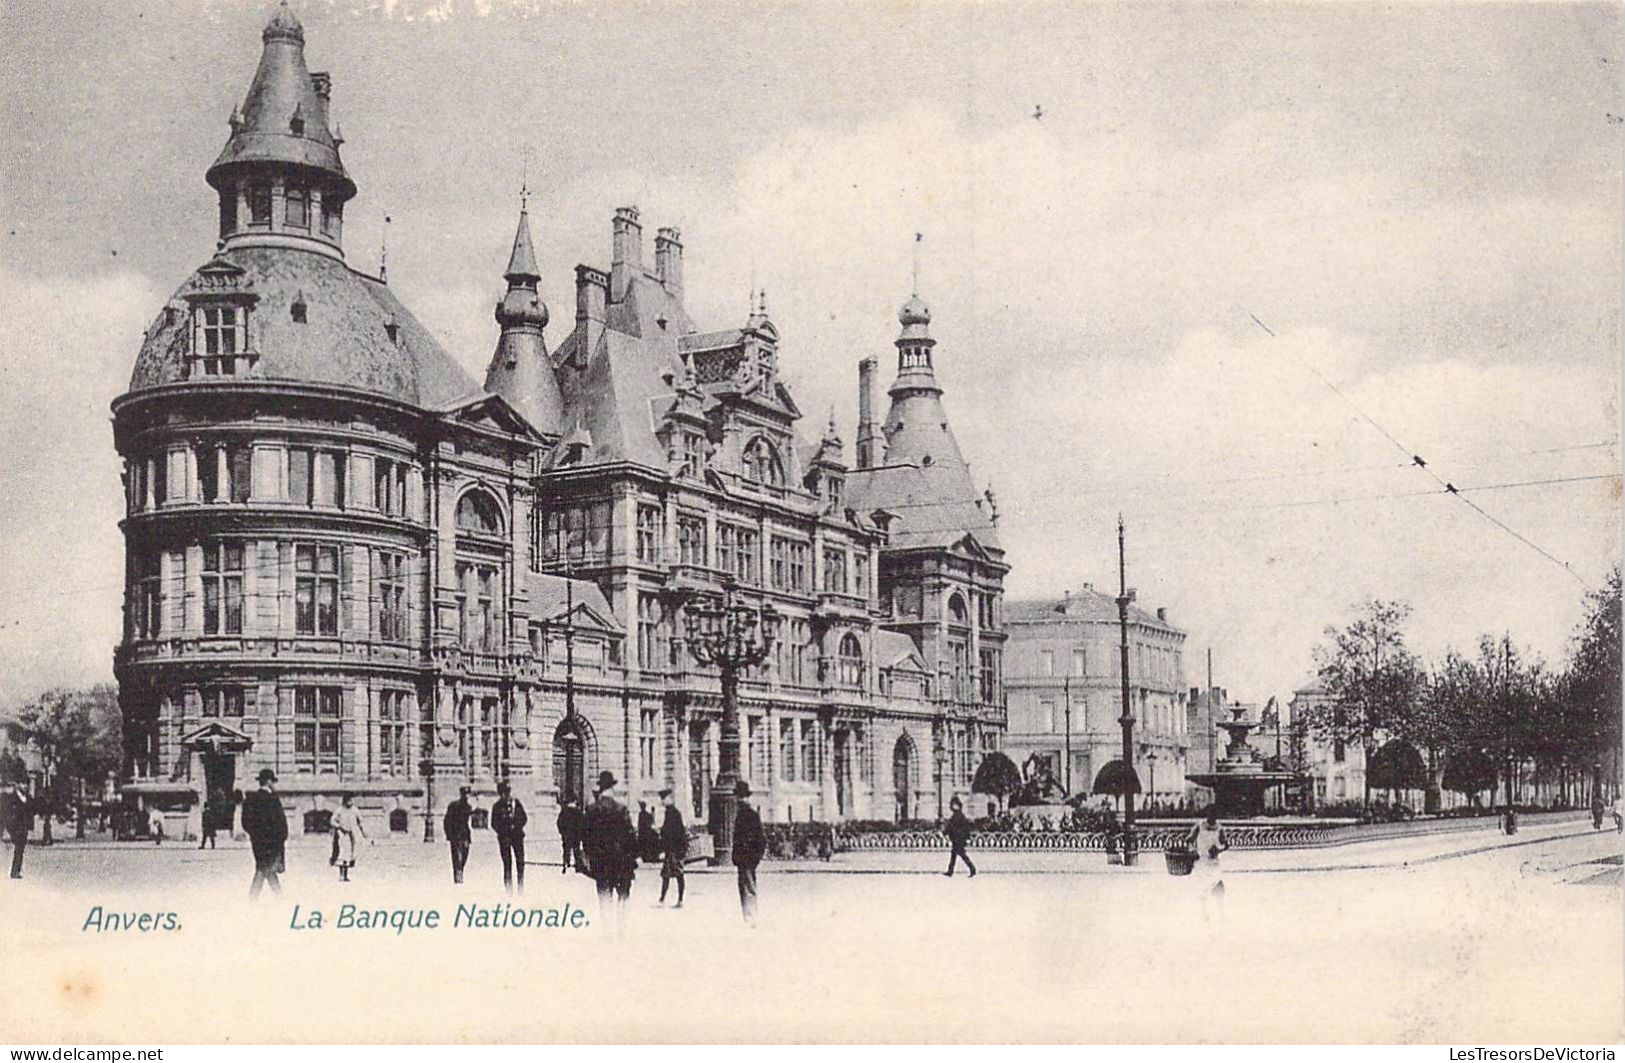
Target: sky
{"x": 1249, "y": 260}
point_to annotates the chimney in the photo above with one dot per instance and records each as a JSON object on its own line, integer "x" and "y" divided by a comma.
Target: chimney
{"x": 1162, "y": 614}
{"x": 669, "y": 260}
{"x": 868, "y": 433}
{"x": 627, "y": 256}
{"x": 592, "y": 288}
{"x": 1066, "y": 601}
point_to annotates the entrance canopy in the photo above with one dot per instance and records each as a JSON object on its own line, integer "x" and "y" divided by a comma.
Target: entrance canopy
{"x": 216, "y": 738}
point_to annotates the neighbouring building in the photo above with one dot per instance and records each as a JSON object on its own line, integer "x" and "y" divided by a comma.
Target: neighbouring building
{"x": 1337, "y": 768}
{"x": 350, "y": 562}
{"x": 1063, "y": 669}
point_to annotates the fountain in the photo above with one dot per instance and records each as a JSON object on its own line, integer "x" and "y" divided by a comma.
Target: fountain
{"x": 1240, "y": 778}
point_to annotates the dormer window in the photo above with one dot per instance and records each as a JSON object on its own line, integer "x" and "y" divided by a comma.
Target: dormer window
{"x": 332, "y": 218}
{"x": 222, "y": 337}
{"x": 296, "y": 211}
{"x": 258, "y": 194}
{"x": 762, "y": 463}
{"x": 693, "y": 455}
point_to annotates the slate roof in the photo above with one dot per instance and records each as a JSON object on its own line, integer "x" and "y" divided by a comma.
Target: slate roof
{"x": 935, "y": 505}
{"x": 1087, "y": 604}
{"x": 894, "y": 649}
{"x": 343, "y": 341}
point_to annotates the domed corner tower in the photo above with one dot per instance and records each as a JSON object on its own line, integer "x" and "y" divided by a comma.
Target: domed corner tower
{"x": 323, "y": 509}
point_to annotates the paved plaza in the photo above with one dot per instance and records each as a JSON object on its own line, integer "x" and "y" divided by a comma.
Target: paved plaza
{"x": 1436, "y": 937}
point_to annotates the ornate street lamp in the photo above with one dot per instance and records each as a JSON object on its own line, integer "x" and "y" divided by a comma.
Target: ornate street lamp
{"x": 730, "y": 635}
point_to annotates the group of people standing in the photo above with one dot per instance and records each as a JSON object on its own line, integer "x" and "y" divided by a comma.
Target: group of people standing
{"x": 600, "y": 841}
{"x": 508, "y": 820}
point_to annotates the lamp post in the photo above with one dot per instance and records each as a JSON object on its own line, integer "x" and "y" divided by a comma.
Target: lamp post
{"x": 1151, "y": 759}
{"x": 1127, "y": 719}
{"x": 731, "y": 635}
{"x": 428, "y": 796}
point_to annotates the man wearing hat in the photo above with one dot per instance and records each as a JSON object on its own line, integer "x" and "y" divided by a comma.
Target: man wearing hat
{"x": 611, "y": 847}
{"x": 673, "y": 848}
{"x": 266, "y": 825}
{"x": 457, "y": 833}
{"x": 17, "y": 818}
{"x": 508, "y": 824}
{"x": 749, "y": 845}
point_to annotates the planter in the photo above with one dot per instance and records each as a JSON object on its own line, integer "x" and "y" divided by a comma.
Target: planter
{"x": 1180, "y": 862}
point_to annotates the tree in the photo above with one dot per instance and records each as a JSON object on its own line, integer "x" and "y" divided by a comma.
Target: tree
{"x": 1371, "y": 678}
{"x": 996, "y": 776}
{"x": 80, "y": 739}
{"x": 1396, "y": 765}
{"x": 1592, "y": 684}
{"x": 1469, "y": 772}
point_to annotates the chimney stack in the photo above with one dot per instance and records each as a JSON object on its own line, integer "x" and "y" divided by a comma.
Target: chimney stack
{"x": 868, "y": 431}
{"x": 592, "y": 289}
{"x": 627, "y": 255}
{"x": 1162, "y": 614}
{"x": 669, "y": 260}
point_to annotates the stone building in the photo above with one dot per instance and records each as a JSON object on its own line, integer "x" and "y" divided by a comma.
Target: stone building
{"x": 1064, "y": 663}
{"x": 352, "y": 563}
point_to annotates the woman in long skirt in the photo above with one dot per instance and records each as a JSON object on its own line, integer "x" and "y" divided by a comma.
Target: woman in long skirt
{"x": 347, "y": 831}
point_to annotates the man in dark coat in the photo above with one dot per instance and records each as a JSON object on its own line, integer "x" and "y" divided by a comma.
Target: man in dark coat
{"x": 569, "y": 823}
{"x": 266, "y": 825}
{"x": 958, "y": 830}
{"x": 611, "y": 847}
{"x": 17, "y": 817}
{"x": 750, "y": 843}
{"x": 457, "y": 833}
{"x": 508, "y": 823}
{"x": 673, "y": 848}
{"x": 648, "y": 840}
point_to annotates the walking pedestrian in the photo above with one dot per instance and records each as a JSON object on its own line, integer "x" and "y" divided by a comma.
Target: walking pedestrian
{"x": 1596, "y": 811}
{"x": 155, "y": 826}
{"x": 347, "y": 833}
{"x": 17, "y": 817}
{"x": 958, "y": 829}
{"x": 508, "y": 822}
{"x": 266, "y": 825}
{"x": 457, "y": 833}
{"x": 648, "y": 839}
{"x": 1207, "y": 840}
{"x": 611, "y": 848}
{"x": 750, "y": 843}
{"x": 673, "y": 849}
{"x": 1619, "y": 820}
{"x": 569, "y": 824}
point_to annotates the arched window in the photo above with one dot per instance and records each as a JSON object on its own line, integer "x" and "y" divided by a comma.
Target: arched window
{"x": 956, "y": 609}
{"x": 851, "y": 662}
{"x": 762, "y": 463}
{"x": 478, "y": 512}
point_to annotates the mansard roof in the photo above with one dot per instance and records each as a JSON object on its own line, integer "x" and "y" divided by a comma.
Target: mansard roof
{"x": 552, "y": 598}
{"x": 344, "y": 339}
{"x": 935, "y": 505}
{"x": 1087, "y": 604}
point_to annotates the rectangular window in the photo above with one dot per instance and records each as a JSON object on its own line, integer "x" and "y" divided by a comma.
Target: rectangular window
{"x": 835, "y": 571}
{"x": 648, "y": 743}
{"x": 650, "y": 527}
{"x": 1046, "y": 662}
{"x": 691, "y": 541}
{"x": 391, "y": 578}
{"x": 693, "y": 456}
{"x": 222, "y": 588}
{"x": 800, "y": 566}
{"x": 297, "y": 210}
{"x": 736, "y": 552}
{"x": 1046, "y": 716}
{"x": 490, "y": 629}
{"x": 651, "y": 649}
{"x": 332, "y": 217}
{"x": 228, "y": 213}
{"x": 316, "y": 729}
{"x": 990, "y": 677}
{"x": 809, "y": 751}
{"x": 1080, "y": 662}
{"x": 316, "y": 589}
{"x": 259, "y": 203}
{"x": 577, "y": 533}
{"x": 860, "y": 575}
{"x": 223, "y": 701}
{"x": 389, "y": 487}
{"x": 392, "y": 724}
{"x": 787, "y": 750}
{"x": 231, "y": 461}
{"x": 780, "y": 562}
{"x": 148, "y": 606}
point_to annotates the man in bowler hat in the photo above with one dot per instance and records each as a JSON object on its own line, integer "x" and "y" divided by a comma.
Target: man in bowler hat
{"x": 611, "y": 847}
{"x": 750, "y": 843}
{"x": 508, "y": 823}
{"x": 17, "y": 817}
{"x": 457, "y": 833}
{"x": 266, "y": 825}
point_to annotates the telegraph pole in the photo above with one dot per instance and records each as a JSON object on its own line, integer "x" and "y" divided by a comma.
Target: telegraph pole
{"x": 1127, "y": 719}
{"x": 1066, "y": 688}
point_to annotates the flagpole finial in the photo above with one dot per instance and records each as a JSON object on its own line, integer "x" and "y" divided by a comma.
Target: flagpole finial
{"x": 914, "y": 288}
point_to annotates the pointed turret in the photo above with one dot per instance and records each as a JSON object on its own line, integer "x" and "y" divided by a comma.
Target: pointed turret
{"x": 521, "y": 371}
{"x": 916, "y": 426}
{"x": 280, "y": 172}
